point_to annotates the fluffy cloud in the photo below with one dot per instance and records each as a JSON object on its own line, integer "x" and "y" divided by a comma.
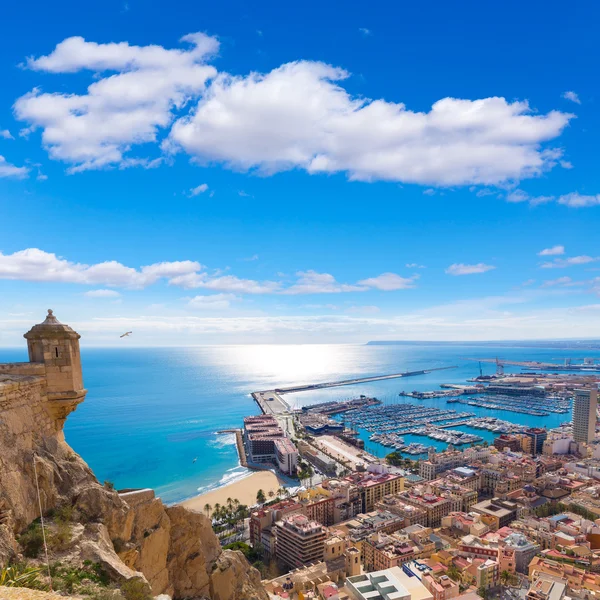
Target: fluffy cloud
{"x": 553, "y": 251}
{"x": 311, "y": 282}
{"x": 572, "y": 96}
{"x": 225, "y": 283}
{"x": 561, "y": 263}
{"x": 102, "y": 294}
{"x": 136, "y": 94}
{"x": 8, "y": 170}
{"x": 522, "y": 196}
{"x": 6, "y": 135}
{"x": 390, "y": 281}
{"x": 200, "y": 189}
{"x": 575, "y": 200}
{"x": 462, "y": 269}
{"x": 213, "y": 302}
{"x": 33, "y": 264}
{"x": 299, "y": 116}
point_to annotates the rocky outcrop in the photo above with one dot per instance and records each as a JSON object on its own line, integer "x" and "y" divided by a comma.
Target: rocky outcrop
{"x": 132, "y": 534}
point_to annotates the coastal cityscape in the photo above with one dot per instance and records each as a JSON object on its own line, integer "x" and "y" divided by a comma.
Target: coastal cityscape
{"x": 299, "y": 301}
{"x": 516, "y": 516}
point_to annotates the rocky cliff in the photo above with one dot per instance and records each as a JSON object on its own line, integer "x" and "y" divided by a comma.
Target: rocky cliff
{"x": 132, "y": 534}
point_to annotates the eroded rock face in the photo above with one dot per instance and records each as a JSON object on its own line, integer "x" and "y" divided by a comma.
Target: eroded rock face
{"x": 132, "y": 534}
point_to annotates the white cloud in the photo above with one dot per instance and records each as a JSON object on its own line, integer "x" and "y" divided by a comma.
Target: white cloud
{"x": 390, "y": 281}
{"x": 575, "y": 200}
{"x": 414, "y": 266}
{"x": 522, "y": 196}
{"x": 250, "y": 258}
{"x": 8, "y": 170}
{"x": 200, "y": 189}
{"x": 225, "y": 283}
{"x": 34, "y": 264}
{"x": 363, "y": 310}
{"x": 561, "y": 263}
{"x": 311, "y": 282}
{"x": 553, "y": 251}
{"x": 102, "y": 294}
{"x": 137, "y": 91}
{"x": 5, "y": 134}
{"x": 462, "y": 269}
{"x": 568, "y": 282}
{"x": 429, "y": 192}
{"x": 213, "y": 302}
{"x": 572, "y": 96}
{"x": 366, "y": 32}
{"x": 299, "y": 116}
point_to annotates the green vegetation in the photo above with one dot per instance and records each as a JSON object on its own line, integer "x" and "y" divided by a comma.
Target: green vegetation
{"x": 260, "y": 497}
{"x": 22, "y": 575}
{"x": 68, "y": 578}
{"x": 453, "y": 572}
{"x": 555, "y": 508}
{"x": 397, "y": 460}
{"x": 135, "y": 589}
{"x": 248, "y": 551}
{"x": 32, "y": 540}
{"x": 109, "y": 485}
{"x": 230, "y": 517}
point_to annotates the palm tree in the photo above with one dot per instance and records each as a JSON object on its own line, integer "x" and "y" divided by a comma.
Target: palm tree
{"x": 217, "y": 512}
{"x": 453, "y": 572}
{"x": 260, "y": 497}
{"x": 207, "y": 509}
{"x": 271, "y": 493}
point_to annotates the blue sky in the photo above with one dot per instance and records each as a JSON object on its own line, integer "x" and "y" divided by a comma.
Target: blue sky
{"x": 324, "y": 172}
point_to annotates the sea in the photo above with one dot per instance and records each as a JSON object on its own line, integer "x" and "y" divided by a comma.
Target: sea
{"x": 152, "y": 416}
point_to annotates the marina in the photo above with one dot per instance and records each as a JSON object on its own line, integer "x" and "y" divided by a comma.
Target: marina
{"x": 387, "y": 424}
{"x": 538, "y": 406}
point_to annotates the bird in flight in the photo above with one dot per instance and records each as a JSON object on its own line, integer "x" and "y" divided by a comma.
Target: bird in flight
{"x": 126, "y": 334}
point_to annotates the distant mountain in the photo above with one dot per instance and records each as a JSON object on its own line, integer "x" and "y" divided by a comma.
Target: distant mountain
{"x": 559, "y": 344}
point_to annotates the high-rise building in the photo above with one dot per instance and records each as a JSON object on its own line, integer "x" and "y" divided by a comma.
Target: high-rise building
{"x": 534, "y": 438}
{"x": 300, "y": 541}
{"x": 584, "y": 415}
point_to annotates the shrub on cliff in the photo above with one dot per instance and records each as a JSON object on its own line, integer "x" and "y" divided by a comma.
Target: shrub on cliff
{"x": 135, "y": 589}
{"x": 32, "y": 540}
{"x": 21, "y": 575}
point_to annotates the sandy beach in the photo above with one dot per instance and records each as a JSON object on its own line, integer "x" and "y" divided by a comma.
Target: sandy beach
{"x": 244, "y": 490}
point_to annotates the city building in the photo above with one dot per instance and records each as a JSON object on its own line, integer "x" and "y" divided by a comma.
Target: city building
{"x": 266, "y": 443}
{"x": 584, "y": 415}
{"x": 389, "y": 584}
{"x": 318, "y": 505}
{"x": 510, "y": 441}
{"x": 547, "y": 587}
{"x": 372, "y": 487}
{"x": 299, "y": 541}
{"x": 411, "y": 514}
{"x": 435, "y": 506}
{"x": 533, "y": 440}
{"x": 262, "y": 524}
{"x": 502, "y": 511}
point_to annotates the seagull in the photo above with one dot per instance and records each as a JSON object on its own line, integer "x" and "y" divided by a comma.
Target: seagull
{"x": 195, "y": 459}
{"x": 128, "y": 333}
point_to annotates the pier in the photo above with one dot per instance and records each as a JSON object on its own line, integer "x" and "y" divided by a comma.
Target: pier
{"x": 271, "y": 402}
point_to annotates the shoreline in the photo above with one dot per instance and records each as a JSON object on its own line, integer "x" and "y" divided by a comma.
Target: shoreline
{"x": 244, "y": 490}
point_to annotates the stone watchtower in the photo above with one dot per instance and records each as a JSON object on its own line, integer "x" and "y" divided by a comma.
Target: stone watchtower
{"x": 56, "y": 346}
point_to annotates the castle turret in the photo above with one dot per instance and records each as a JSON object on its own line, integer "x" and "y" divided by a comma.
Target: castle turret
{"x": 56, "y": 346}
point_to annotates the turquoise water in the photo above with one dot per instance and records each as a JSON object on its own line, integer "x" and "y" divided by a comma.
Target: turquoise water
{"x": 150, "y": 411}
